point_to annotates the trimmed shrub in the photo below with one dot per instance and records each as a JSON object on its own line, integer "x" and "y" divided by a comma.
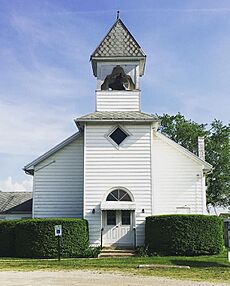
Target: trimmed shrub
{"x": 7, "y": 238}
{"x": 35, "y": 238}
{"x": 92, "y": 252}
{"x": 184, "y": 235}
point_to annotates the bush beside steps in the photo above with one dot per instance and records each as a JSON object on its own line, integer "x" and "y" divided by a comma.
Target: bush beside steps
{"x": 188, "y": 235}
{"x": 34, "y": 238}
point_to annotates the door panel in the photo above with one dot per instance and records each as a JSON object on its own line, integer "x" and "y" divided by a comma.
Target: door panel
{"x": 118, "y": 228}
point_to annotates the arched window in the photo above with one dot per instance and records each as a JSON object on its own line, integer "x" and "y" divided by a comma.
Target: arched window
{"x": 118, "y": 195}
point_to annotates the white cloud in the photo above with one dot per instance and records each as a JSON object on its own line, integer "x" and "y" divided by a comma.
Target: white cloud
{"x": 38, "y": 98}
{"x": 8, "y": 185}
{"x": 29, "y": 129}
{"x": 36, "y": 80}
{"x": 60, "y": 34}
{"x": 198, "y": 89}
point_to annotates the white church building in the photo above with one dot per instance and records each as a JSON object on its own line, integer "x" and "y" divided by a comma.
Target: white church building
{"x": 117, "y": 168}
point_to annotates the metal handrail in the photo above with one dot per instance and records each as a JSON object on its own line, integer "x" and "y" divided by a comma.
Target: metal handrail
{"x": 134, "y": 237}
{"x": 102, "y": 237}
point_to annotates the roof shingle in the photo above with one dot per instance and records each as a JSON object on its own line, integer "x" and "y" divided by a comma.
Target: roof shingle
{"x": 118, "y": 43}
{"x": 15, "y": 202}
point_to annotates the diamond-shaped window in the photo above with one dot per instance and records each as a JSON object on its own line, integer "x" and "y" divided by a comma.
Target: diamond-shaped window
{"x": 118, "y": 135}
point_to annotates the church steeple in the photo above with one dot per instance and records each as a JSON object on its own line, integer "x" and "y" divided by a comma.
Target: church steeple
{"x": 118, "y": 44}
{"x": 118, "y": 63}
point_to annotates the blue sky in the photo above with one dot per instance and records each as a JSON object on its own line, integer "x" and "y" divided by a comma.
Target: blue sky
{"x": 46, "y": 78}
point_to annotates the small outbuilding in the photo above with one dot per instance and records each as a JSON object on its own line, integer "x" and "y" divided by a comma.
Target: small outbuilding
{"x": 15, "y": 205}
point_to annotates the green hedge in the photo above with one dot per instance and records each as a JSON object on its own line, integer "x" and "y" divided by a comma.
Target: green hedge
{"x": 184, "y": 235}
{"x": 7, "y": 238}
{"x": 34, "y": 238}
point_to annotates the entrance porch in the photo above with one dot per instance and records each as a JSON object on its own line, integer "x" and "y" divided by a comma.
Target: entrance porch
{"x": 118, "y": 226}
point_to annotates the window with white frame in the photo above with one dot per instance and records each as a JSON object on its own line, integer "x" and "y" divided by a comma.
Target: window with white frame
{"x": 118, "y": 195}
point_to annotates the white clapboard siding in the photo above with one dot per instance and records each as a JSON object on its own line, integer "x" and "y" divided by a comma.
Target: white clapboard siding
{"x": 107, "y": 167}
{"x": 118, "y": 101}
{"x": 177, "y": 180}
{"x": 58, "y": 183}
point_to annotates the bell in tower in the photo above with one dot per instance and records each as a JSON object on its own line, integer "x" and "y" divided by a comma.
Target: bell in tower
{"x": 118, "y": 80}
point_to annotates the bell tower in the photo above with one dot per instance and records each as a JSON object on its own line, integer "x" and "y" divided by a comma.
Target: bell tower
{"x": 118, "y": 63}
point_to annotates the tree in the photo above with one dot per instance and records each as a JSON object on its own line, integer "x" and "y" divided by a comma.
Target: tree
{"x": 218, "y": 154}
{"x": 217, "y": 150}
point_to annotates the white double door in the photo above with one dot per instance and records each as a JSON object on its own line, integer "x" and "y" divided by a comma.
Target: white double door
{"x": 118, "y": 228}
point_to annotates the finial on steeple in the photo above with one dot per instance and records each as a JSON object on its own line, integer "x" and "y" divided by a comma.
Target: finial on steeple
{"x": 118, "y": 14}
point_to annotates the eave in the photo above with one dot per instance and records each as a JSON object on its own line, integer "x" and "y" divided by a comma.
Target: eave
{"x": 29, "y": 168}
{"x": 206, "y": 166}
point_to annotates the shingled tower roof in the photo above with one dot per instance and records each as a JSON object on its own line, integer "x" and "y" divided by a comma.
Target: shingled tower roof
{"x": 118, "y": 43}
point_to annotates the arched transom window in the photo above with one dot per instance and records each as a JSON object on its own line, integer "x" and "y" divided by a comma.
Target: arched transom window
{"x": 118, "y": 195}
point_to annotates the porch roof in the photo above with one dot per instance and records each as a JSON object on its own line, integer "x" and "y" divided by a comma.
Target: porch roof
{"x": 108, "y": 205}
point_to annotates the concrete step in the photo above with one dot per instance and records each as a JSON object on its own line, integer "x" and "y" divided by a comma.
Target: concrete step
{"x": 106, "y": 250}
{"x": 116, "y": 253}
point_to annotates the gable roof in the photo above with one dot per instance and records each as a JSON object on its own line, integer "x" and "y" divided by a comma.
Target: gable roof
{"x": 15, "y": 202}
{"x": 118, "y": 42}
{"x": 29, "y": 168}
{"x": 108, "y": 116}
{"x": 206, "y": 165}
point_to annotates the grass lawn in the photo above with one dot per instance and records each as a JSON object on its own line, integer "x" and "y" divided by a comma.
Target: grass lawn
{"x": 207, "y": 268}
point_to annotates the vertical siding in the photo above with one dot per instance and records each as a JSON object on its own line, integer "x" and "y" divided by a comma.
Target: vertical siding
{"x": 118, "y": 101}
{"x": 107, "y": 167}
{"x": 177, "y": 180}
{"x": 58, "y": 183}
